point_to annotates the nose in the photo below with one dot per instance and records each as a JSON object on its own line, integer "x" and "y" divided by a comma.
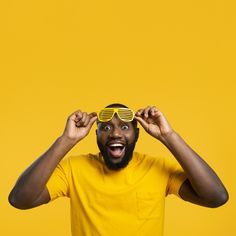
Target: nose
{"x": 116, "y": 133}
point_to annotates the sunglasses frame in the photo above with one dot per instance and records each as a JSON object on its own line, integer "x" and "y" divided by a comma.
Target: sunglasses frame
{"x": 116, "y": 111}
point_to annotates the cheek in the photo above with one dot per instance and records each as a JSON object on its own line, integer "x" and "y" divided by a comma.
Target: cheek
{"x": 130, "y": 137}
{"x": 102, "y": 138}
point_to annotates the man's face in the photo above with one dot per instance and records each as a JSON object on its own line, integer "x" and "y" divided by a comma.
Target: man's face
{"x": 116, "y": 140}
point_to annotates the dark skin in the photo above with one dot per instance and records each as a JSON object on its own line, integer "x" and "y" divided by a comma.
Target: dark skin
{"x": 116, "y": 129}
{"x": 202, "y": 187}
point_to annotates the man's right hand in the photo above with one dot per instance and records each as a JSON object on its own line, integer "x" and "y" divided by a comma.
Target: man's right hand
{"x": 78, "y": 125}
{"x": 30, "y": 190}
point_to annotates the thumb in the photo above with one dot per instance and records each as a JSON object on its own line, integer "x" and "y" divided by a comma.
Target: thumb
{"x": 142, "y": 122}
{"x": 92, "y": 119}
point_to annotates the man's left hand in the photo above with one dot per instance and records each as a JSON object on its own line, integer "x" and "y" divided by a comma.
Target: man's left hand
{"x": 154, "y": 122}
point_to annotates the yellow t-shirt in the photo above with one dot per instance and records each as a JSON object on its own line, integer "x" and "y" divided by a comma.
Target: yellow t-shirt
{"x": 127, "y": 202}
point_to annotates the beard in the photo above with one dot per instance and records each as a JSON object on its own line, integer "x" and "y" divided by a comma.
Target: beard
{"x": 129, "y": 148}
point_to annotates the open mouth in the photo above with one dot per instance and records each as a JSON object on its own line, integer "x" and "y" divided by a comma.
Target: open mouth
{"x": 116, "y": 150}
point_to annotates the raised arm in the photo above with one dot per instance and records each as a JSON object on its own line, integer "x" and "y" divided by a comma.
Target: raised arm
{"x": 30, "y": 189}
{"x": 203, "y": 186}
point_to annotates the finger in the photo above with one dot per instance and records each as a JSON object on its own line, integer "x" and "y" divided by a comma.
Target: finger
{"x": 141, "y": 121}
{"x": 89, "y": 117}
{"x": 92, "y": 114}
{"x": 76, "y": 113}
{"x": 153, "y": 110}
{"x": 75, "y": 116}
{"x": 82, "y": 120}
{"x": 92, "y": 120}
{"x": 146, "y": 111}
{"x": 85, "y": 114}
{"x": 139, "y": 112}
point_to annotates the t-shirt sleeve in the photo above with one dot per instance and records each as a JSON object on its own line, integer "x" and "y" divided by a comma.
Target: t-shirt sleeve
{"x": 176, "y": 177}
{"x": 57, "y": 184}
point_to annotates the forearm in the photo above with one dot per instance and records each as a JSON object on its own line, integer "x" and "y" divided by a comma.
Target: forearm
{"x": 203, "y": 179}
{"x": 33, "y": 180}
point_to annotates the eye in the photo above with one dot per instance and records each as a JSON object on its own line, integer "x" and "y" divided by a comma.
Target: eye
{"x": 124, "y": 127}
{"x": 106, "y": 128}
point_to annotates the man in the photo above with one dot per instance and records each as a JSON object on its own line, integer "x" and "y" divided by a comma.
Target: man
{"x": 118, "y": 191}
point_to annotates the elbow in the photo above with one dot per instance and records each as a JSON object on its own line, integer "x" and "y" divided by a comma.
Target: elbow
{"x": 220, "y": 200}
{"x": 15, "y": 203}
{"x": 12, "y": 200}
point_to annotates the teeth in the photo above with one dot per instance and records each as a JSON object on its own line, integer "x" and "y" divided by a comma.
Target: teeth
{"x": 116, "y": 145}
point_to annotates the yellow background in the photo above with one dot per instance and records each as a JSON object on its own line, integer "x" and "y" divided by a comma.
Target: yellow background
{"x": 58, "y": 56}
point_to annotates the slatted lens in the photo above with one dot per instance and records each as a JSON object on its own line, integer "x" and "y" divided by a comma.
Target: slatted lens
{"x": 106, "y": 114}
{"x": 126, "y": 114}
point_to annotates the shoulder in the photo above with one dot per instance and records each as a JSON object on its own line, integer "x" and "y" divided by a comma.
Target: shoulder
{"x": 83, "y": 160}
{"x": 148, "y": 160}
{"x": 166, "y": 164}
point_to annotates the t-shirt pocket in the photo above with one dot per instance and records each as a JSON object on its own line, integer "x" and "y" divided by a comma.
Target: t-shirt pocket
{"x": 150, "y": 205}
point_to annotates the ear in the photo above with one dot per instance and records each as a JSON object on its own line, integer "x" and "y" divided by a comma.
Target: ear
{"x": 136, "y": 134}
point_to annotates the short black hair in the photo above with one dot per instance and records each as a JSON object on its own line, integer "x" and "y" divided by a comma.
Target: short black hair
{"x": 134, "y": 122}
